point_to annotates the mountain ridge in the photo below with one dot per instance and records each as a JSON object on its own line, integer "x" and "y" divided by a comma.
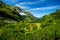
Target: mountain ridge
{"x": 11, "y": 12}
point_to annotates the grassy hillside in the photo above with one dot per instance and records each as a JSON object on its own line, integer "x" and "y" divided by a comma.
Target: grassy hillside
{"x": 7, "y": 13}
{"x": 56, "y": 14}
{"x": 51, "y": 18}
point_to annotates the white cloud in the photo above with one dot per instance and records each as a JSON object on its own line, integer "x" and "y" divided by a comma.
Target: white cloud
{"x": 26, "y": 3}
{"x": 45, "y": 8}
{"x": 22, "y": 6}
{"x": 23, "y": 3}
{"x": 35, "y": 2}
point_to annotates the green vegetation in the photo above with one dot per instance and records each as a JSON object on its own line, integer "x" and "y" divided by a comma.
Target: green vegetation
{"x": 14, "y": 26}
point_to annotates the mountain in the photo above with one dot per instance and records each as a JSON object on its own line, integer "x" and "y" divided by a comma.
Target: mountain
{"x": 56, "y": 14}
{"x": 27, "y": 16}
{"x": 12, "y": 14}
{"x": 51, "y": 19}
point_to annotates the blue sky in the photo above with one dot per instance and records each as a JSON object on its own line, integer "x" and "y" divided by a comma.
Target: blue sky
{"x": 38, "y": 8}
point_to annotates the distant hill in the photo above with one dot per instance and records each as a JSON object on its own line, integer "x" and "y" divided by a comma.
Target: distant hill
{"x": 53, "y": 18}
{"x": 56, "y": 14}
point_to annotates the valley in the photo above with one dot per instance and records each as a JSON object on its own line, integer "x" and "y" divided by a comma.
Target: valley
{"x": 18, "y": 24}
